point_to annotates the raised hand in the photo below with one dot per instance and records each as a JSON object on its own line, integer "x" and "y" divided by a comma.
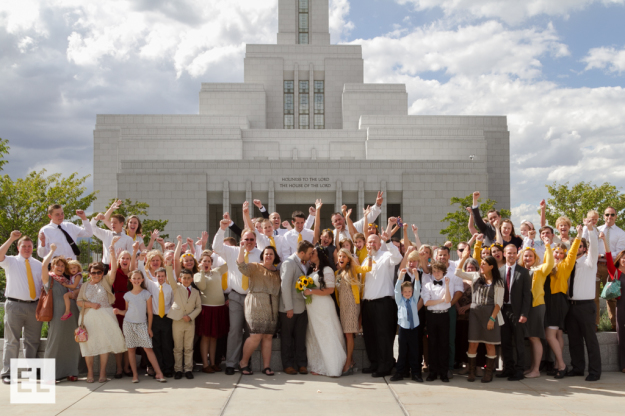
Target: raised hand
{"x": 100, "y": 217}
{"x": 496, "y": 223}
{"x": 343, "y": 209}
{"x": 115, "y": 240}
{"x": 348, "y": 213}
{"x": 227, "y": 217}
{"x": 480, "y": 237}
{"x": 81, "y": 214}
{"x": 52, "y": 247}
{"x": 246, "y": 208}
{"x": 447, "y": 280}
{"x": 155, "y": 234}
{"x": 184, "y": 247}
{"x": 469, "y": 210}
{"x": 476, "y": 197}
{"x": 542, "y": 204}
{"x": 204, "y": 237}
{"x": 161, "y": 241}
{"x": 179, "y": 238}
{"x": 135, "y": 246}
{"x": 285, "y": 224}
{"x": 384, "y": 236}
{"x": 392, "y": 220}
{"x": 318, "y": 204}
{"x": 379, "y": 199}
{"x": 601, "y": 236}
{"x": 190, "y": 242}
{"x": 224, "y": 224}
{"x": 42, "y": 238}
{"x": 466, "y": 252}
{"x": 410, "y": 249}
{"x": 415, "y": 229}
{"x": 15, "y": 235}
{"x": 580, "y": 229}
{"x": 312, "y": 211}
{"x": 258, "y": 204}
{"x": 546, "y": 241}
{"x": 448, "y": 244}
{"x": 143, "y": 255}
{"x": 116, "y": 204}
{"x": 531, "y": 234}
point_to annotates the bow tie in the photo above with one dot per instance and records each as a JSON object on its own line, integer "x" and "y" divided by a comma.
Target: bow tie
{"x": 438, "y": 282}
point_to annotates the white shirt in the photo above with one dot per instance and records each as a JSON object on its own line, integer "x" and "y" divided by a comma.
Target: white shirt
{"x": 230, "y": 255}
{"x": 280, "y": 231}
{"x": 431, "y": 291}
{"x": 379, "y": 281}
{"x": 124, "y": 243}
{"x": 359, "y": 225}
{"x": 586, "y": 270}
{"x": 263, "y": 241}
{"x": 538, "y": 246}
{"x": 153, "y": 288}
{"x": 17, "y": 280}
{"x": 54, "y": 235}
{"x": 617, "y": 240}
{"x": 290, "y": 241}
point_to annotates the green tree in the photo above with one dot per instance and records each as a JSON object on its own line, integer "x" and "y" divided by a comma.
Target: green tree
{"x": 4, "y": 150}
{"x": 457, "y": 229}
{"x": 576, "y": 201}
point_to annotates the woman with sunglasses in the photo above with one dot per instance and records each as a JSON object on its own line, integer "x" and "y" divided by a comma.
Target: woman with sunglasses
{"x": 95, "y": 298}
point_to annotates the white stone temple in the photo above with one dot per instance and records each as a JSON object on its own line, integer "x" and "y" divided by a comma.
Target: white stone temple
{"x": 302, "y": 125}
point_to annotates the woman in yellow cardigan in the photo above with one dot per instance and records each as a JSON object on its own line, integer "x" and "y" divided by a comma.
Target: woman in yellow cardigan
{"x": 556, "y": 301}
{"x": 348, "y": 292}
{"x": 536, "y": 319}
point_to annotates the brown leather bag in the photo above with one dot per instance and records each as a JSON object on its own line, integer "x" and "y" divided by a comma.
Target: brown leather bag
{"x": 45, "y": 307}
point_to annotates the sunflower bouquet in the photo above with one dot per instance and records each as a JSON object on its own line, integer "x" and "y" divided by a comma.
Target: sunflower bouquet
{"x": 303, "y": 283}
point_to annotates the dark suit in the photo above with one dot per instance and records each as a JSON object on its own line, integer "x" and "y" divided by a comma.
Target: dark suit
{"x": 513, "y": 333}
{"x": 485, "y": 228}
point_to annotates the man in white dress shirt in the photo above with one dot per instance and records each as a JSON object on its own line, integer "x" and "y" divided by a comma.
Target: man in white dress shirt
{"x": 299, "y": 233}
{"x": 580, "y": 318}
{"x": 62, "y": 233}
{"x": 379, "y": 310}
{"x": 338, "y": 221}
{"x": 124, "y": 242}
{"x": 615, "y": 237}
{"x": 23, "y": 286}
{"x": 239, "y": 288}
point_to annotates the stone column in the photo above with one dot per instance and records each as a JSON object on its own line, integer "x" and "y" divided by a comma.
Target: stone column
{"x": 361, "y": 199}
{"x": 296, "y": 95}
{"x": 248, "y": 196}
{"x": 383, "y": 213}
{"x": 339, "y": 197}
{"x": 271, "y": 203}
{"x": 226, "y": 200}
{"x": 311, "y": 92}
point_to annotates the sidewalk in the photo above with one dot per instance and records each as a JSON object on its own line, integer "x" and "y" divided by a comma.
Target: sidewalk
{"x": 218, "y": 394}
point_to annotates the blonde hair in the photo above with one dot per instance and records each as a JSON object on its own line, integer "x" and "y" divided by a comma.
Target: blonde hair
{"x": 521, "y": 261}
{"x": 359, "y": 236}
{"x": 151, "y": 255}
{"x": 74, "y": 263}
{"x": 413, "y": 256}
{"x": 428, "y": 247}
{"x": 564, "y": 220}
{"x": 121, "y": 254}
{"x": 592, "y": 212}
{"x": 349, "y": 274}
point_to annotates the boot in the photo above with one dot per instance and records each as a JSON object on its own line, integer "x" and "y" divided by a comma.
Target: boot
{"x": 488, "y": 372}
{"x": 471, "y": 365}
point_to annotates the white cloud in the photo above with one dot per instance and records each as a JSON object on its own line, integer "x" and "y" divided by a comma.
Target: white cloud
{"x": 525, "y": 212}
{"x": 606, "y": 58}
{"x": 339, "y": 26}
{"x": 510, "y": 11}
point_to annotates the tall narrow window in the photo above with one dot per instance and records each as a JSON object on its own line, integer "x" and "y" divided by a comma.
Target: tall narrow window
{"x": 304, "y": 105}
{"x": 288, "y": 105}
{"x": 319, "y": 106}
{"x": 303, "y": 22}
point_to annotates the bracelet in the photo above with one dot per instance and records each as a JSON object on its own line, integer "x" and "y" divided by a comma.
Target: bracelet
{"x": 492, "y": 319}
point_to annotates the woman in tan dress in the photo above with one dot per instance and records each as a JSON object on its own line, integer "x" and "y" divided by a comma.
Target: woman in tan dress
{"x": 261, "y": 305}
{"x": 348, "y": 289}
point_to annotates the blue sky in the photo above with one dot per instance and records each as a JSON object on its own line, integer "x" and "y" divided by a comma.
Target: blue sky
{"x": 554, "y": 67}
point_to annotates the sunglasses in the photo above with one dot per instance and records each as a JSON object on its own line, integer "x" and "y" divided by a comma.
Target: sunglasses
{"x": 98, "y": 273}
{"x": 610, "y": 215}
{"x": 249, "y": 239}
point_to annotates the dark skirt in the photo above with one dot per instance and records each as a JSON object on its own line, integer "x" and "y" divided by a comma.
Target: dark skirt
{"x": 213, "y": 321}
{"x": 536, "y": 322}
{"x": 478, "y": 322}
{"x": 556, "y": 308}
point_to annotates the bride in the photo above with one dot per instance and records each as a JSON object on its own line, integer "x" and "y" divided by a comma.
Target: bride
{"x": 325, "y": 343}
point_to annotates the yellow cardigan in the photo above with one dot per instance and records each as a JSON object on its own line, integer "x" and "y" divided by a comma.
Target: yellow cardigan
{"x": 355, "y": 288}
{"x": 539, "y": 275}
{"x": 477, "y": 252}
{"x": 560, "y": 282}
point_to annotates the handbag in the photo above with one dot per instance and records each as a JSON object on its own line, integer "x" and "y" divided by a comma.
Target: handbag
{"x": 611, "y": 290}
{"x": 45, "y": 306}
{"x": 80, "y": 333}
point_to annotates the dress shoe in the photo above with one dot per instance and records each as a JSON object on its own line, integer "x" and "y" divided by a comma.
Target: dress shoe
{"x": 6, "y": 380}
{"x": 216, "y": 368}
{"x": 208, "y": 370}
{"x": 168, "y": 375}
{"x": 118, "y": 376}
{"x": 505, "y": 374}
{"x": 417, "y": 378}
{"x": 289, "y": 370}
{"x": 367, "y": 370}
{"x": 378, "y": 374}
{"x": 431, "y": 377}
{"x": 189, "y": 375}
{"x": 229, "y": 371}
{"x": 178, "y": 375}
{"x": 574, "y": 373}
{"x": 303, "y": 370}
{"x": 445, "y": 379}
{"x": 450, "y": 374}
{"x": 592, "y": 377}
{"x": 397, "y": 377}
{"x": 516, "y": 377}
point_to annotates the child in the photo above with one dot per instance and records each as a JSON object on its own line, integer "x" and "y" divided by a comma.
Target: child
{"x": 437, "y": 298}
{"x": 137, "y": 331}
{"x": 361, "y": 249}
{"x": 408, "y": 319}
{"x": 186, "y": 307}
{"x": 75, "y": 270}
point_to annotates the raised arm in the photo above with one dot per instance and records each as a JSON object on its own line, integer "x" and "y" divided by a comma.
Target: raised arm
{"x": 261, "y": 208}
{"x": 133, "y": 257}
{"x": 317, "y": 234}
{"x": 543, "y": 213}
{"x": 481, "y": 225}
{"x": 107, "y": 215}
{"x": 113, "y": 269}
{"x": 46, "y": 262}
{"x": 471, "y": 224}
{"x": 593, "y": 250}
{"x": 153, "y": 237}
{"x": 392, "y": 221}
{"x": 247, "y": 220}
{"x": 86, "y": 230}
{"x": 15, "y": 235}
{"x": 417, "y": 240}
{"x": 499, "y": 237}
{"x": 404, "y": 261}
{"x": 177, "y": 253}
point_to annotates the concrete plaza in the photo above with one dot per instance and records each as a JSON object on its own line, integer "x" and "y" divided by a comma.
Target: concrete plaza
{"x": 218, "y": 394}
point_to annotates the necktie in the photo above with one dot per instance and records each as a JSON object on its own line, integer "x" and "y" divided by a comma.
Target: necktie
{"x": 299, "y": 238}
{"x": 224, "y": 281}
{"x": 438, "y": 282}
{"x": 532, "y": 243}
{"x": 189, "y": 290}
{"x": 410, "y": 318}
{"x": 572, "y": 282}
{"x": 161, "y": 302}
{"x": 506, "y": 294}
{"x": 275, "y": 232}
{"x": 71, "y": 242}
{"x": 245, "y": 284}
{"x": 272, "y": 242}
{"x": 31, "y": 281}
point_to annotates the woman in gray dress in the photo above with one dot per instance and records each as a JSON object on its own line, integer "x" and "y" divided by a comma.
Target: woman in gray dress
{"x": 61, "y": 344}
{"x": 485, "y": 317}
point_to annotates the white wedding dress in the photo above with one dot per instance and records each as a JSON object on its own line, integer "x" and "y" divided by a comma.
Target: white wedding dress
{"x": 325, "y": 342}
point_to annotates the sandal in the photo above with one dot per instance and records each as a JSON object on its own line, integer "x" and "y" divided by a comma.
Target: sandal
{"x": 103, "y": 380}
{"x": 66, "y": 316}
{"x": 247, "y": 371}
{"x": 90, "y": 380}
{"x": 560, "y": 373}
{"x": 267, "y": 371}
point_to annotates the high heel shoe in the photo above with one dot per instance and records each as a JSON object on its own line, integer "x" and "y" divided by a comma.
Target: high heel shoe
{"x": 348, "y": 372}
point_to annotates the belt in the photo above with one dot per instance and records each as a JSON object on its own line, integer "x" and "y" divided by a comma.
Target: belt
{"x": 22, "y": 301}
{"x": 439, "y": 311}
{"x": 581, "y": 302}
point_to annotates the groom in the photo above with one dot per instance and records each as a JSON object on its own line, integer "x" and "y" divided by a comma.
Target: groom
{"x": 293, "y": 315}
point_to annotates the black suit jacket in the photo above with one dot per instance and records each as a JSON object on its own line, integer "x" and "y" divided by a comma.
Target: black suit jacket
{"x": 520, "y": 292}
{"x": 490, "y": 234}
{"x": 237, "y": 230}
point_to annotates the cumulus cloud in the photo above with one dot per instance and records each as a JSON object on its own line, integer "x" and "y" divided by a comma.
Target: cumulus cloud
{"x": 340, "y": 27}
{"x": 611, "y": 59}
{"x": 512, "y": 12}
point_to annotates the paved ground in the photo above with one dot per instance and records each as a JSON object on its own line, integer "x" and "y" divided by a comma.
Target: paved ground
{"x": 218, "y": 394}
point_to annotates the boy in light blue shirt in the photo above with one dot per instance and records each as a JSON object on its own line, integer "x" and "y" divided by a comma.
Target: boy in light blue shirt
{"x": 407, "y": 299}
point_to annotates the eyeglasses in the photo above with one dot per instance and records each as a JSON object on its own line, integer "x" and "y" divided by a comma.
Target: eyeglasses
{"x": 609, "y": 214}
{"x": 98, "y": 273}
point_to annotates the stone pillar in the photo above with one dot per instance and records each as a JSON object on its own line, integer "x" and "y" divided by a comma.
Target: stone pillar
{"x": 311, "y": 94}
{"x": 226, "y": 200}
{"x": 271, "y": 203}
{"x": 383, "y": 213}
{"x": 361, "y": 199}
{"x": 339, "y": 197}
{"x": 248, "y": 196}
{"x": 296, "y": 95}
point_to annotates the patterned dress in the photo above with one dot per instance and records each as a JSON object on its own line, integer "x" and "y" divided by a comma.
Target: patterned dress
{"x": 350, "y": 310}
{"x": 104, "y": 333}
